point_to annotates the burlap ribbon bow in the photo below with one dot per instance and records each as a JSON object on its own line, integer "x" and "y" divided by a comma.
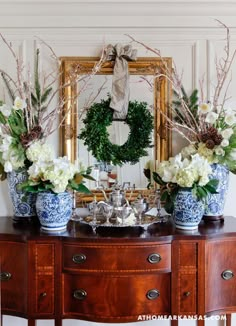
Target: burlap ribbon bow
{"x": 120, "y": 81}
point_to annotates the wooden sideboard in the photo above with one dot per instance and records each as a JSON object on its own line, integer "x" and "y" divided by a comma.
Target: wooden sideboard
{"x": 118, "y": 274}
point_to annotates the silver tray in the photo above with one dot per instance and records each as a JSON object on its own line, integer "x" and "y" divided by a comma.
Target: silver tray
{"x": 131, "y": 221}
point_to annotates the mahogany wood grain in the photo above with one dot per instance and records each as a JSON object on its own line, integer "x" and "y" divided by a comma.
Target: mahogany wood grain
{"x": 117, "y": 274}
{"x": 122, "y": 257}
{"x": 221, "y": 294}
{"x": 31, "y": 322}
{"x": 117, "y": 297}
{"x": 13, "y": 256}
{"x": 174, "y": 323}
{"x": 228, "y": 320}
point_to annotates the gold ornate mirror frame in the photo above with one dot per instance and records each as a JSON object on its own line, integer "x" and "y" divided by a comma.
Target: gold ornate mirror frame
{"x": 143, "y": 67}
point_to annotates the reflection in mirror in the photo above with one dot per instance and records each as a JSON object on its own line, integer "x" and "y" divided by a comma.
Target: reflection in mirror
{"x": 142, "y": 75}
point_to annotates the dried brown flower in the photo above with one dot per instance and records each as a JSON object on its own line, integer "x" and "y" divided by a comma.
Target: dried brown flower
{"x": 210, "y": 144}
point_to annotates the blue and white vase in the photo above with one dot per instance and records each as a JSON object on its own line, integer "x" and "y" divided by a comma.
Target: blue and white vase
{"x": 215, "y": 203}
{"x": 54, "y": 210}
{"x": 24, "y": 209}
{"x": 188, "y": 210}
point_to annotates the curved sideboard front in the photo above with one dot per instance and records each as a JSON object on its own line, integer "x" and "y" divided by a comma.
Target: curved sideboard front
{"x": 118, "y": 274}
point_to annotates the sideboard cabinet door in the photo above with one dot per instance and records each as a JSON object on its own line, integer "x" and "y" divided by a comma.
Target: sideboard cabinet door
{"x": 42, "y": 279}
{"x": 184, "y": 277}
{"x": 13, "y": 264}
{"x": 221, "y": 275}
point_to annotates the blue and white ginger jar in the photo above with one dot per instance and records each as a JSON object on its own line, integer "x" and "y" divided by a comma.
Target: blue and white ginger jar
{"x": 215, "y": 203}
{"x": 54, "y": 210}
{"x": 188, "y": 210}
{"x": 24, "y": 209}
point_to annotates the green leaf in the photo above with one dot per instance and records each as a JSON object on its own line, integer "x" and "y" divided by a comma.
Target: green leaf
{"x": 169, "y": 206}
{"x": 8, "y": 86}
{"x": 82, "y": 188}
{"x": 210, "y": 189}
{"x": 2, "y": 118}
{"x": 86, "y": 176}
{"x": 201, "y": 193}
{"x": 36, "y": 78}
{"x": 164, "y": 195}
{"x": 158, "y": 179}
{"x": 45, "y": 95}
{"x": 3, "y": 174}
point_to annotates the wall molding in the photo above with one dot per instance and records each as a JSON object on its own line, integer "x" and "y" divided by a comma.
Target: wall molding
{"x": 108, "y": 14}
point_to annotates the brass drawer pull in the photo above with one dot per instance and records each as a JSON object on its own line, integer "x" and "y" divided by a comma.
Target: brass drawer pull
{"x": 5, "y": 276}
{"x": 80, "y": 294}
{"x": 79, "y": 258}
{"x": 154, "y": 258}
{"x": 43, "y": 294}
{"x": 153, "y": 294}
{"x": 187, "y": 294}
{"x": 227, "y": 274}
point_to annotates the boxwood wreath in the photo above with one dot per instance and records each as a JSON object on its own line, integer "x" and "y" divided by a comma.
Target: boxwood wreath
{"x": 96, "y": 136}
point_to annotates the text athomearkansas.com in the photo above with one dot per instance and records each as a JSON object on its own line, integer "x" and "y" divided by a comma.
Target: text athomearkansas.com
{"x": 180, "y": 317}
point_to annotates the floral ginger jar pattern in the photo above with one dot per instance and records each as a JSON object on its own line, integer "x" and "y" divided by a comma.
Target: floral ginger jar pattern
{"x": 23, "y": 203}
{"x": 54, "y": 210}
{"x": 215, "y": 203}
{"x": 188, "y": 210}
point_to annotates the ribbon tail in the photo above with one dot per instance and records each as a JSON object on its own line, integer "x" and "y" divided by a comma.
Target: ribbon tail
{"x": 120, "y": 89}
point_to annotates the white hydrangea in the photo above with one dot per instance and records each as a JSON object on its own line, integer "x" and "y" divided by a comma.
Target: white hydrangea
{"x": 185, "y": 177}
{"x": 8, "y": 167}
{"x": 37, "y": 169}
{"x": 38, "y": 151}
{"x": 185, "y": 172}
{"x": 189, "y": 150}
{"x": 58, "y": 172}
{"x": 12, "y": 159}
{"x": 5, "y": 142}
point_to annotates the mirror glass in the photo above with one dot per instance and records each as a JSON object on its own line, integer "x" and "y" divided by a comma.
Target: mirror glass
{"x": 145, "y": 86}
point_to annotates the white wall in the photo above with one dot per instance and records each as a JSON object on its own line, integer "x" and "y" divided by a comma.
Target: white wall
{"x": 184, "y": 30}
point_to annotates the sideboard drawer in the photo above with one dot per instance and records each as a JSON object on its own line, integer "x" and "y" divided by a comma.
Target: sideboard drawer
{"x": 117, "y": 257}
{"x": 116, "y": 296}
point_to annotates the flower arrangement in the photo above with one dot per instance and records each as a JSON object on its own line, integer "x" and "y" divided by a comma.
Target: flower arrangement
{"x": 209, "y": 125}
{"x": 179, "y": 172}
{"x": 32, "y": 107}
{"x": 55, "y": 175}
{"x": 214, "y": 136}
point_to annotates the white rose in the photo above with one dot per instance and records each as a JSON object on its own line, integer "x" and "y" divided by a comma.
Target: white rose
{"x": 205, "y": 107}
{"x": 219, "y": 151}
{"x": 8, "y": 166}
{"x": 227, "y": 133}
{"x": 230, "y": 119}
{"x": 6, "y": 110}
{"x": 224, "y": 143}
{"x": 211, "y": 117}
{"x": 19, "y": 104}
